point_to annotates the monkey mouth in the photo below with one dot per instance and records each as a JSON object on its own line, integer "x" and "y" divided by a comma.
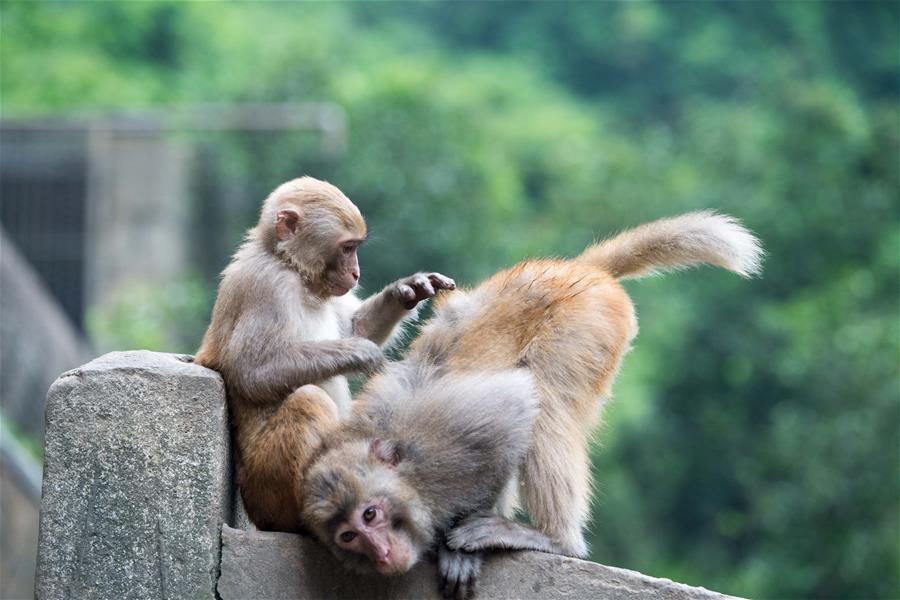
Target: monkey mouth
{"x": 390, "y": 569}
{"x": 339, "y": 289}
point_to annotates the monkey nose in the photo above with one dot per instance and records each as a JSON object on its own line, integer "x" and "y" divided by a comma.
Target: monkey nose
{"x": 355, "y": 275}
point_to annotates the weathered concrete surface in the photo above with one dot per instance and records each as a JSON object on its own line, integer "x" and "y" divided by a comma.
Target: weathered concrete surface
{"x": 267, "y": 565}
{"x": 137, "y": 480}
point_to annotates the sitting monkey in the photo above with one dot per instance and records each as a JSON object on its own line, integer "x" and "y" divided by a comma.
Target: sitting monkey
{"x": 504, "y": 383}
{"x": 285, "y": 329}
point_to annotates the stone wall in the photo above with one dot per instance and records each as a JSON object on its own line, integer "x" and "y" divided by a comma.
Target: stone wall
{"x": 137, "y": 498}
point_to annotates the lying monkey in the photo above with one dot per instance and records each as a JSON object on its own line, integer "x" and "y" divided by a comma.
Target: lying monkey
{"x": 504, "y": 383}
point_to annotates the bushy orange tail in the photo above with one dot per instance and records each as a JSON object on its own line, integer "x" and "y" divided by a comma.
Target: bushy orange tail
{"x": 676, "y": 243}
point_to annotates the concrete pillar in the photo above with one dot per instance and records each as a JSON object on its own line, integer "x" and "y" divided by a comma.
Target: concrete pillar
{"x": 137, "y": 480}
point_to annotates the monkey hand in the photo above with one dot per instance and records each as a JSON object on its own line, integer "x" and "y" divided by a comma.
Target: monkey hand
{"x": 458, "y": 572}
{"x": 421, "y": 286}
{"x": 366, "y": 355}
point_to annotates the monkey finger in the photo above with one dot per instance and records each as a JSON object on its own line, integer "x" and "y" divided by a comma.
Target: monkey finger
{"x": 406, "y": 292}
{"x": 449, "y": 585}
{"x": 469, "y": 591}
{"x": 407, "y": 296}
{"x": 424, "y": 289}
{"x": 450, "y": 566}
{"x": 471, "y": 567}
{"x": 441, "y": 282}
{"x": 459, "y": 572}
{"x": 463, "y": 589}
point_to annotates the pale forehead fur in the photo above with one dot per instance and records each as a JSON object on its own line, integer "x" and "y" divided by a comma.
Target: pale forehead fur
{"x": 351, "y": 475}
{"x": 315, "y": 197}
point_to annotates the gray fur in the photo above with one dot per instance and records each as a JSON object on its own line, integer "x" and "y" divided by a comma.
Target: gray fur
{"x": 473, "y": 429}
{"x": 491, "y": 531}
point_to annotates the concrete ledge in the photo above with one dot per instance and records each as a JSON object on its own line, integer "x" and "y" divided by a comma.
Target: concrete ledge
{"x": 258, "y": 564}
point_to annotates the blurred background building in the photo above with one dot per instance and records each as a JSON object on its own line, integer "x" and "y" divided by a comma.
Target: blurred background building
{"x": 753, "y": 444}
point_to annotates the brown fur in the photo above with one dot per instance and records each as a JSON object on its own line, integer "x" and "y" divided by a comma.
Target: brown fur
{"x": 274, "y": 452}
{"x": 571, "y": 323}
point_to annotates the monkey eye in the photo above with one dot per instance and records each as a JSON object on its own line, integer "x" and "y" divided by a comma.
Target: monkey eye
{"x": 348, "y": 536}
{"x": 348, "y": 249}
{"x": 369, "y": 514}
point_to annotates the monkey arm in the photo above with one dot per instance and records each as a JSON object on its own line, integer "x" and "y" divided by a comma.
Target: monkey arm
{"x": 272, "y": 377}
{"x": 486, "y": 531}
{"x": 376, "y": 318}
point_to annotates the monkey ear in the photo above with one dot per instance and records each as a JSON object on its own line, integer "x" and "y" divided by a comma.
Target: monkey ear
{"x": 286, "y": 223}
{"x": 386, "y": 452}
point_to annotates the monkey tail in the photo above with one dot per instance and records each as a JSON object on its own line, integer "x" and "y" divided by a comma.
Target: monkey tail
{"x": 676, "y": 243}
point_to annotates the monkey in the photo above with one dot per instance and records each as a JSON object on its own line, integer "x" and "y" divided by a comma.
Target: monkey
{"x": 505, "y": 383}
{"x": 286, "y": 328}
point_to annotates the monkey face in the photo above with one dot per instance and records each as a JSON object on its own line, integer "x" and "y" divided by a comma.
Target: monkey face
{"x": 342, "y": 267}
{"x": 370, "y": 530}
{"x": 318, "y": 230}
{"x": 362, "y": 510}
{"x": 323, "y": 249}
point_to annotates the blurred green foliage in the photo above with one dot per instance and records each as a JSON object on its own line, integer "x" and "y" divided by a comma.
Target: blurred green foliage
{"x": 753, "y": 447}
{"x": 168, "y": 317}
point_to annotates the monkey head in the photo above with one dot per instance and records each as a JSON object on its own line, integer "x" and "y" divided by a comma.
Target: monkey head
{"x": 363, "y": 511}
{"x": 314, "y": 227}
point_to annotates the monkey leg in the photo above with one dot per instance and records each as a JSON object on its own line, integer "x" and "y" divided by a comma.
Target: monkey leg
{"x": 274, "y": 453}
{"x": 556, "y": 475}
{"x": 486, "y": 531}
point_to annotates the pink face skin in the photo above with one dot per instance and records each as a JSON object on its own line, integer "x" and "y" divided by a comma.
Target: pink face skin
{"x": 368, "y": 531}
{"x": 344, "y": 273}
